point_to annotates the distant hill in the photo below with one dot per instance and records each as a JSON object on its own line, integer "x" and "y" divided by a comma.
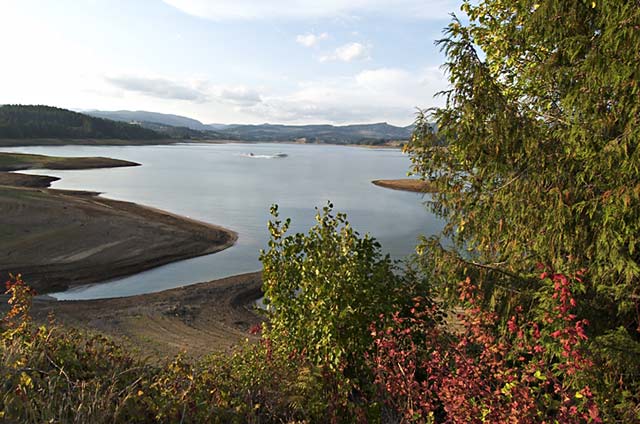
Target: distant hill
{"x": 152, "y": 117}
{"x": 348, "y": 134}
{"x": 182, "y": 132}
{"x": 22, "y": 121}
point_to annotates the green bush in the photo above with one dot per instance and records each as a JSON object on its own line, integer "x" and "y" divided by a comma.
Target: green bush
{"x": 324, "y": 288}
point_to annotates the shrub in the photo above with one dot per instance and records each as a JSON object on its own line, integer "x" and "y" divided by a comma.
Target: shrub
{"x": 56, "y": 374}
{"x": 432, "y": 371}
{"x": 322, "y": 290}
{"x": 51, "y": 374}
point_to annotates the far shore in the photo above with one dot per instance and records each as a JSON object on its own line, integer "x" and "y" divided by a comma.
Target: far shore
{"x": 406, "y": 184}
{"x": 162, "y": 142}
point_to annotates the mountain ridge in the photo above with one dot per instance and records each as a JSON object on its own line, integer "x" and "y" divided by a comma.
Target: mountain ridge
{"x": 376, "y": 133}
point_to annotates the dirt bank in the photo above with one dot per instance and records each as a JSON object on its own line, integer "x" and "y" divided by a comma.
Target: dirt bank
{"x": 15, "y": 179}
{"x": 198, "y": 319}
{"x": 406, "y": 184}
{"x": 59, "y": 239}
{"x": 20, "y": 161}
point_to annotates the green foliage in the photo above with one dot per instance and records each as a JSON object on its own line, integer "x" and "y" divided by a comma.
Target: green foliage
{"x": 253, "y": 384}
{"x": 536, "y": 166}
{"x": 261, "y": 382}
{"x": 51, "y": 374}
{"x": 324, "y": 288}
{"x": 541, "y": 164}
{"x": 20, "y": 121}
{"x": 56, "y": 374}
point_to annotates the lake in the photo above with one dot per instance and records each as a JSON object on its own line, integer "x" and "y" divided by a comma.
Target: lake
{"x": 222, "y": 184}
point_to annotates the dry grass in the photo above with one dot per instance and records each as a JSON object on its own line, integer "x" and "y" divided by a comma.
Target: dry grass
{"x": 197, "y": 319}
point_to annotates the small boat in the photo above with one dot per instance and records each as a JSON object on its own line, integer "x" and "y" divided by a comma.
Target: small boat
{"x": 274, "y": 156}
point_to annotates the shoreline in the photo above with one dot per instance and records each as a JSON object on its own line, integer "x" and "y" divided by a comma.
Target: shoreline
{"x": 197, "y": 318}
{"x": 30, "y": 142}
{"x": 95, "y": 239}
{"x": 60, "y": 239}
{"x": 10, "y": 162}
{"x": 406, "y": 184}
{"x": 48, "y": 142}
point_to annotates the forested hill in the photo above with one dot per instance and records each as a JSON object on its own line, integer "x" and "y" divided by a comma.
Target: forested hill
{"x": 21, "y": 121}
{"x": 349, "y": 134}
{"x": 184, "y": 127}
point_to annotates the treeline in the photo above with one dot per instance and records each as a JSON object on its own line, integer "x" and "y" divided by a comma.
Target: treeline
{"x": 366, "y": 134}
{"x": 36, "y": 121}
{"x": 183, "y": 127}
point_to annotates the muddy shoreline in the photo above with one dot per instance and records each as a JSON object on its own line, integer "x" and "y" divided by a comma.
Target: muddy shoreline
{"x": 61, "y": 239}
{"x": 196, "y": 319}
{"x": 406, "y": 184}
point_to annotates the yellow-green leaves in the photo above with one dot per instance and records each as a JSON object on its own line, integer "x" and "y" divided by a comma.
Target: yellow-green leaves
{"x": 325, "y": 288}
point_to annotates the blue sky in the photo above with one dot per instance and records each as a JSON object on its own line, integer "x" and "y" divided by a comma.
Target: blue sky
{"x": 227, "y": 61}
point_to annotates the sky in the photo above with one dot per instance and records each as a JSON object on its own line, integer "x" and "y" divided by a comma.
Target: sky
{"x": 228, "y": 61}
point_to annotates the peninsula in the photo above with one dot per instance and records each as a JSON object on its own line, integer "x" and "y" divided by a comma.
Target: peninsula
{"x": 59, "y": 239}
{"x": 406, "y": 184}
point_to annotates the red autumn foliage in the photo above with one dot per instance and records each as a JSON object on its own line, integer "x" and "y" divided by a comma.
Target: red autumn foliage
{"x": 430, "y": 370}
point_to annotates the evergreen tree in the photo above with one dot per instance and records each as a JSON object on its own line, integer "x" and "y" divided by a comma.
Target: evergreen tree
{"x": 540, "y": 166}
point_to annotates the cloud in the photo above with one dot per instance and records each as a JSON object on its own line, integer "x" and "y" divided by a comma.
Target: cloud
{"x": 382, "y": 78}
{"x": 160, "y": 88}
{"x": 310, "y": 40}
{"x": 374, "y": 95}
{"x": 240, "y": 95}
{"x": 197, "y": 92}
{"x": 304, "y": 9}
{"x": 348, "y": 53}
{"x": 388, "y": 94}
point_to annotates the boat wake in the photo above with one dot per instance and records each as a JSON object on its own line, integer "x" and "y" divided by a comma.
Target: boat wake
{"x": 274, "y": 156}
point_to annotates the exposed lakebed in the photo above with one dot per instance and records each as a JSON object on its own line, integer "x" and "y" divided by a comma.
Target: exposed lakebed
{"x": 222, "y": 184}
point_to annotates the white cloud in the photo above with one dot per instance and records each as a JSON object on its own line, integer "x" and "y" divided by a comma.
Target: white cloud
{"x": 348, "y": 53}
{"x": 386, "y": 78}
{"x": 195, "y": 91}
{"x": 239, "y": 95}
{"x": 310, "y": 40}
{"x": 384, "y": 94}
{"x": 306, "y": 9}
{"x": 160, "y": 88}
{"x": 388, "y": 94}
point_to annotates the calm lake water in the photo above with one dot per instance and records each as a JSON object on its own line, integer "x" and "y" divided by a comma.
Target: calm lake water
{"x": 219, "y": 184}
